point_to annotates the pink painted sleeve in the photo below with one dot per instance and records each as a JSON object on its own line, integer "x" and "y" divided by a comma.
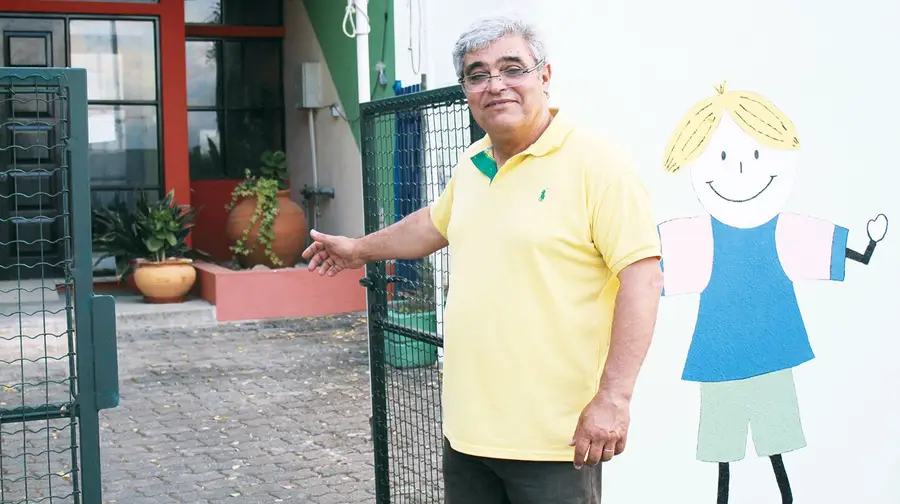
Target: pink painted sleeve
{"x": 809, "y": 248}
{"x": 687, "y": 254}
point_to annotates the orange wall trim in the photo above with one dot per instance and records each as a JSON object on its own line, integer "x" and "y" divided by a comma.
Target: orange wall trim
{"x": 173, "y": 64}
{"x": 76, "y": 7}
{"x": 216, "y": 31}
{"x": 280, "y": 293}
{"x": 210, "y": 198}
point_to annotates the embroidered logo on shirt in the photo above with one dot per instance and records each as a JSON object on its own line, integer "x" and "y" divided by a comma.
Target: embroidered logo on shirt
{"x": 543, "y": 195}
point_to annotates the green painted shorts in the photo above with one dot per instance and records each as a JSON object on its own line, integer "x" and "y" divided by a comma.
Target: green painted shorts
{"x": 765, "y": 404}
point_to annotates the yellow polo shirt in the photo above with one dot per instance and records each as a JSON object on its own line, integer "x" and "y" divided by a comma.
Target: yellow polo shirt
{"x": 535, "y": 247}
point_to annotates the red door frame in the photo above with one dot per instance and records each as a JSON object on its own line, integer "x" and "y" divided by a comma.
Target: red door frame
{"x": 173, "y": 78}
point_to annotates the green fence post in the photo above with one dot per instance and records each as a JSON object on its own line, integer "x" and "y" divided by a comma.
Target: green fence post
{"x": 80, "y": 215}
{"x": 377, "y": 312}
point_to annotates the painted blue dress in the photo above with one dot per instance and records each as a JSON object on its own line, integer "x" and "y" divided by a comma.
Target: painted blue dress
{"x": 749, "y": 322}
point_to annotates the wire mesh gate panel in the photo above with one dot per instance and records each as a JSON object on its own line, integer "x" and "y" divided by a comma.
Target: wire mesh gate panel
{"x": 409, "y": 145}
{"x": 49, "y": 399}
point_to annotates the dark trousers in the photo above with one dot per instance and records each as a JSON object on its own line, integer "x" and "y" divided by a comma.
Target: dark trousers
{"x": 479, "y": 480}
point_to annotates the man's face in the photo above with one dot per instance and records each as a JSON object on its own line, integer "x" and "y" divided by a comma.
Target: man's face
{"x": 499, "y": 107}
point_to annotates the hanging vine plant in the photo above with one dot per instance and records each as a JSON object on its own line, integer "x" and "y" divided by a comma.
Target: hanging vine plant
{"x": 268, "y": 194}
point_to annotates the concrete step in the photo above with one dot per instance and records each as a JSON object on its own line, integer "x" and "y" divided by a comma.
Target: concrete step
{"x": 29, "y": 291}
{"x": 132, "y": 313}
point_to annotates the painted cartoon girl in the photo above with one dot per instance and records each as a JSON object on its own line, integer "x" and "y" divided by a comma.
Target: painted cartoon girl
{"x": 743, "y": 259}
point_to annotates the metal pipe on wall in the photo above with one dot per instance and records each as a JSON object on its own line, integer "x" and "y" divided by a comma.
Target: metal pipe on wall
{"x": 362, "y": 49}
{"x": 310, "y": 113}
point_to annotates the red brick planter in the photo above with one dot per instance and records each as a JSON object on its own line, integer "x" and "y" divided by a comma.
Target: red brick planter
{"x": 278, "y": 293}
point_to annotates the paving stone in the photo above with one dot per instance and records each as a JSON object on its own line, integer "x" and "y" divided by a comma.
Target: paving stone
{"x": 241, "y": 413}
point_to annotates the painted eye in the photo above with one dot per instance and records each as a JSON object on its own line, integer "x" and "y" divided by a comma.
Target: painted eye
{"x": 756, "y": 154}
{"x": 723, "y": 155}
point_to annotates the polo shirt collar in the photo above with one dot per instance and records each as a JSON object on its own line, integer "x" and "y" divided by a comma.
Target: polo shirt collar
{"x": 551, "y": 139}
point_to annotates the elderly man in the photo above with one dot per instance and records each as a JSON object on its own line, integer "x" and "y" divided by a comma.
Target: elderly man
{"x": 554, "y": 284}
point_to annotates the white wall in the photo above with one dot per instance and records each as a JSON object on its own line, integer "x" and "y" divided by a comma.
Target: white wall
{"x": 337, "y": 154}
{"x": 632, "y": 68}
{"x": 435, "y": 25}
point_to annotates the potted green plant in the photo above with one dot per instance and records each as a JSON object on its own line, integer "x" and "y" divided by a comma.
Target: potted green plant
{"x": 264, "y": 225}
{"x": 148, "y": 243}
{"x": 414, "y": 309}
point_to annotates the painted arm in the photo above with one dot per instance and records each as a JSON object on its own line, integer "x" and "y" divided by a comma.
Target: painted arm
{"x": 686, "y": 255}
{"x": 876, "y": 229}
{"x": 814, "y": 249}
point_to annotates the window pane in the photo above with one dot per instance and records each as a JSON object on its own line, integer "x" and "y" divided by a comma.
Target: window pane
{"x": 123, "y": 145}
{"x": 253, "y": 74}
{"x": 202, "y": 11}
{"x": 248, "y": 135}
{"x": 120, "y": 58}
{"x": 257, "y": 13}
{"x": 121, "y": 199}
{"x": 31, "y": 51}
{"x": 236, "y": 12}
{"x": 205, "y": 146}
{"x": 202, "y": 73}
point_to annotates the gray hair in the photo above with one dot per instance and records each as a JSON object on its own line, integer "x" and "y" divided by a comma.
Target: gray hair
{"x": 488, "y": 30}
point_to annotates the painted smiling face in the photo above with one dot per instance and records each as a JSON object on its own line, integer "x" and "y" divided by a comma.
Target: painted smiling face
{"x": 738, "y": 180}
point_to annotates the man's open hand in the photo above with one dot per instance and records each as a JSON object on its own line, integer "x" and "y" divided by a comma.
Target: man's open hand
{"x": 602, "y": 430}
{"x": 332, "y": 254}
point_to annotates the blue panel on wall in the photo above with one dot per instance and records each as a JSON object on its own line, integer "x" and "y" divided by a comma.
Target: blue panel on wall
{"x": 407, "y": 167}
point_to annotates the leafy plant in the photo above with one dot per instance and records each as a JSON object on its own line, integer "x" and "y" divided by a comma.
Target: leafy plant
{"x": 148, "y": 231}
{"x": 273, "y": 178}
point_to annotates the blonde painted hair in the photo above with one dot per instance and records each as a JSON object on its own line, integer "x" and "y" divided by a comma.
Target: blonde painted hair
{"x": 756, "y": 115}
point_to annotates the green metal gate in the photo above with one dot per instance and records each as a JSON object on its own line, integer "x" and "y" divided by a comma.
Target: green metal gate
{"x": 410, "y": 143}
{"x": 58, "y": 364}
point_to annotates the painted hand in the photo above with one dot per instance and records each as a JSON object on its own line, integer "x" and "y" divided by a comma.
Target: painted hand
{"x": 877, "y": 228}
{"x": 332, "y": 254}
{"x": 601, "y": 432}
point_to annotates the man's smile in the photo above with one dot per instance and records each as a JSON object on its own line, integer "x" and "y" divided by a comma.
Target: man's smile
{"x": 710, "y": 184}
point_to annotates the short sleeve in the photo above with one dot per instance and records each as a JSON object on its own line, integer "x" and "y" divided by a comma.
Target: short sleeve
{"x": 622, "y": 224}
{"x": 687, "y": 254}
{"x": 810, "y": 248}
{"x": 440, "y": 209}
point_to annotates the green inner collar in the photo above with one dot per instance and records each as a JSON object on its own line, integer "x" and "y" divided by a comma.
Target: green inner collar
{"x": 485, "y": 164}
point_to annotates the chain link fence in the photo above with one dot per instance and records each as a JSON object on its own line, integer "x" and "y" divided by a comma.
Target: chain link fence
{"x": 49, "y": 432}
{"x": 410, "y": 144}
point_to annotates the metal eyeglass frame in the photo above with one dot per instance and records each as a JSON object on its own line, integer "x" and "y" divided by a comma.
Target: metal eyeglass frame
{"x": 490, "y": 77}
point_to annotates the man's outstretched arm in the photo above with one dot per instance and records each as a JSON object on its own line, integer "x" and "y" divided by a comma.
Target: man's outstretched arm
{"x": 413, "y": 237}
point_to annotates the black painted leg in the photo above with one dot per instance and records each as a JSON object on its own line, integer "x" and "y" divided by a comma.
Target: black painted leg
{"x": 782, "y": 478}
{"x": 724, "y": 478}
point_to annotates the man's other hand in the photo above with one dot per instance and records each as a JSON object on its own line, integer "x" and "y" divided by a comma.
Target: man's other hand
{"x": 602, "y": 430}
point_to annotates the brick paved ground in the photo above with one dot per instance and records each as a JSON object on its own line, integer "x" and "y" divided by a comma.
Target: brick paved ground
{"x": 276, "y": 412}
{"x": 252, "y": 413}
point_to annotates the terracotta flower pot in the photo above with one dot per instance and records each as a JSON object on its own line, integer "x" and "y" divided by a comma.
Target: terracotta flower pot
{"x": 165, "y": 282}
{"x": 289, "y": 230}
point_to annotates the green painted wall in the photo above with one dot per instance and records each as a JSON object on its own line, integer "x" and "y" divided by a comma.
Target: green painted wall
{"x": 340, "y": 51}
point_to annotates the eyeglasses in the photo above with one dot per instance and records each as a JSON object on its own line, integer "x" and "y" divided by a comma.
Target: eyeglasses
{"x": 512, "y": 77}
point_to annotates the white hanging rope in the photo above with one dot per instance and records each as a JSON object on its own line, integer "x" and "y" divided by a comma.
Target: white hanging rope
{"x": 350, "y": 16}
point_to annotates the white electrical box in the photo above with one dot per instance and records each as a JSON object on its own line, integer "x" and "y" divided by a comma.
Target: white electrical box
{"x": 309, "y": 85}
